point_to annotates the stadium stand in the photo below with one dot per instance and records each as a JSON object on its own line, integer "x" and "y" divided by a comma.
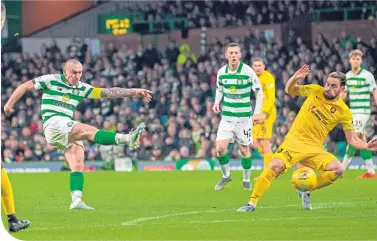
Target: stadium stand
{"x": 180, "y": 121}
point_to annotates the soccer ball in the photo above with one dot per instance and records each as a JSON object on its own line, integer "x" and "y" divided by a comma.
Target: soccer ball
{"x": 304, "y": 179}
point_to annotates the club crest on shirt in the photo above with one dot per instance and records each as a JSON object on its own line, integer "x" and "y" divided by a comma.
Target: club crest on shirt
{"x": 65, "y": 98}
{"x": 76, "y": 91}
{"x": 239, "y": 81}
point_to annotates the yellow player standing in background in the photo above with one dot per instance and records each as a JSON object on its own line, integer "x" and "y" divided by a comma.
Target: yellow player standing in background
{"x": 7, "y": 197}
{"x": 262, "y": 130}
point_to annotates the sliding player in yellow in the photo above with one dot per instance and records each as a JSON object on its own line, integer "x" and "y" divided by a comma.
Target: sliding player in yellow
{"x": 7, "y": 197}
{"x": 262, "y": 131}
{"x": 321, "y": 112}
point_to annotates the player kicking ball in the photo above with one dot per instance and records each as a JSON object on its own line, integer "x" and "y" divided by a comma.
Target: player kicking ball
{"x": 322, "y": 111}
{"x": 235, "y": 82}
{"x": 61, "y": 95}
{"x": 360, "y": 83}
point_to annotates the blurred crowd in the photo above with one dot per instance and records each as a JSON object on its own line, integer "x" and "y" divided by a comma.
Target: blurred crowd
{"x": 180, "y": 121}
{"x": 240, "y": 13}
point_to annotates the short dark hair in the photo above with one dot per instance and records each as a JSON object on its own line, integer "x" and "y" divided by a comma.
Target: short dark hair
{"x": 232, "y": 44}
{"x": 257, "y": 59}
{"x": 340, "y": 76}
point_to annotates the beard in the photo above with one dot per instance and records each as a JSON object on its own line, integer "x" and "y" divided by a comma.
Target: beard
{"x": 331, "y": 97}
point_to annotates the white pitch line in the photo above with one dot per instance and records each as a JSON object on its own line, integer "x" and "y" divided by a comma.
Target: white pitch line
{"x": 144, "y": 219}
{"x": 140, "y": 220}
{"x": 274, "y": 219}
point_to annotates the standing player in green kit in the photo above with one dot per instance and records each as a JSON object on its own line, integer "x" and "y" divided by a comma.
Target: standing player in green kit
{"x": 235, "y": 81}
{"x": 360, "y": 85}
{"x": 61, "y": 94}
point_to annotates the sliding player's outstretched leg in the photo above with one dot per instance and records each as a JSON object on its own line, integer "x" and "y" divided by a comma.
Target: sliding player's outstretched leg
{"x": 7, "y": 199}
{"x": 333, "y": 171}
{"x": 305, "y": 199}
{"x": 262, "y": 184}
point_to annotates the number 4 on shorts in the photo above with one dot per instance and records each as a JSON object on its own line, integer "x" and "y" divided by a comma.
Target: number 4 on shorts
{"x": 247, "y": 133}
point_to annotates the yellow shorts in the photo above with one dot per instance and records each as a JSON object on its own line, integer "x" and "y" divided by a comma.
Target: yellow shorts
{"x": 315, "y": 157}
{"x": 264, "y": 130}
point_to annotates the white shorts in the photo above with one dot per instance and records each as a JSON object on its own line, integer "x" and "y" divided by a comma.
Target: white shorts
{"x": 360, "y": 123}
{"x": 56, "y": 131}
{"x": 236, "y": 131}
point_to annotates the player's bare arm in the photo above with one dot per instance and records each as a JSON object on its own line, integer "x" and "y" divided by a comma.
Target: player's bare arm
{"x": 354, "y": 140}
{"x": 292, "y": 87}
{"x": 258, "y": 117}
{"x": 218, "y": 98}
{"x": 117, "y": 92}
{"x": 374, "y": 93}
{"x": 17, "y": 94}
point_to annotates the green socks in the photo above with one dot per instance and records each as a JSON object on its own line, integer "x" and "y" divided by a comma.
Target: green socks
{"x": 105, "y": 137}
{"x": 224, "y": 165}
{"x": 366, "y": 155}
{"x": 350, "y": 151}
{"x": 76, "y": 181}
{"x": 246, "y": 165}
{"x": 223, "y": 160}
{"x": 225, "y": 168}
{"x": 246, "y": 162}
{"x": 363, "y": 153}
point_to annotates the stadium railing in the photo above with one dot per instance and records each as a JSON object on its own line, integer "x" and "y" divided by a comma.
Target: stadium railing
{"x": 345, "y": 12}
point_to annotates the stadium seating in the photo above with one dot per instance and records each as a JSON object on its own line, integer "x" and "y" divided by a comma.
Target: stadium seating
{"x": 179, "y": 119}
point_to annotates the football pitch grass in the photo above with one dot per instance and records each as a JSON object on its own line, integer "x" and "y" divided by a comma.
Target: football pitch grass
{"x": 184, "y": 206}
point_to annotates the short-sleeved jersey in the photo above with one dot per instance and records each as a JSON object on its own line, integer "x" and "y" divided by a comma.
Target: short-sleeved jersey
{"x": 237, "y": 89}
{"x": 267, "y": 82}
{"x": 359, "y": 87}
{"x": 317, "y": 117}
{"x": 61, "y": 99}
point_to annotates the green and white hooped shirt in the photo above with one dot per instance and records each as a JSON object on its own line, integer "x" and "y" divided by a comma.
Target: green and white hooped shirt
{"x": 360, "y": 86}
{"x": 236, "y": 88}
{"x": 61, "y": 99}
